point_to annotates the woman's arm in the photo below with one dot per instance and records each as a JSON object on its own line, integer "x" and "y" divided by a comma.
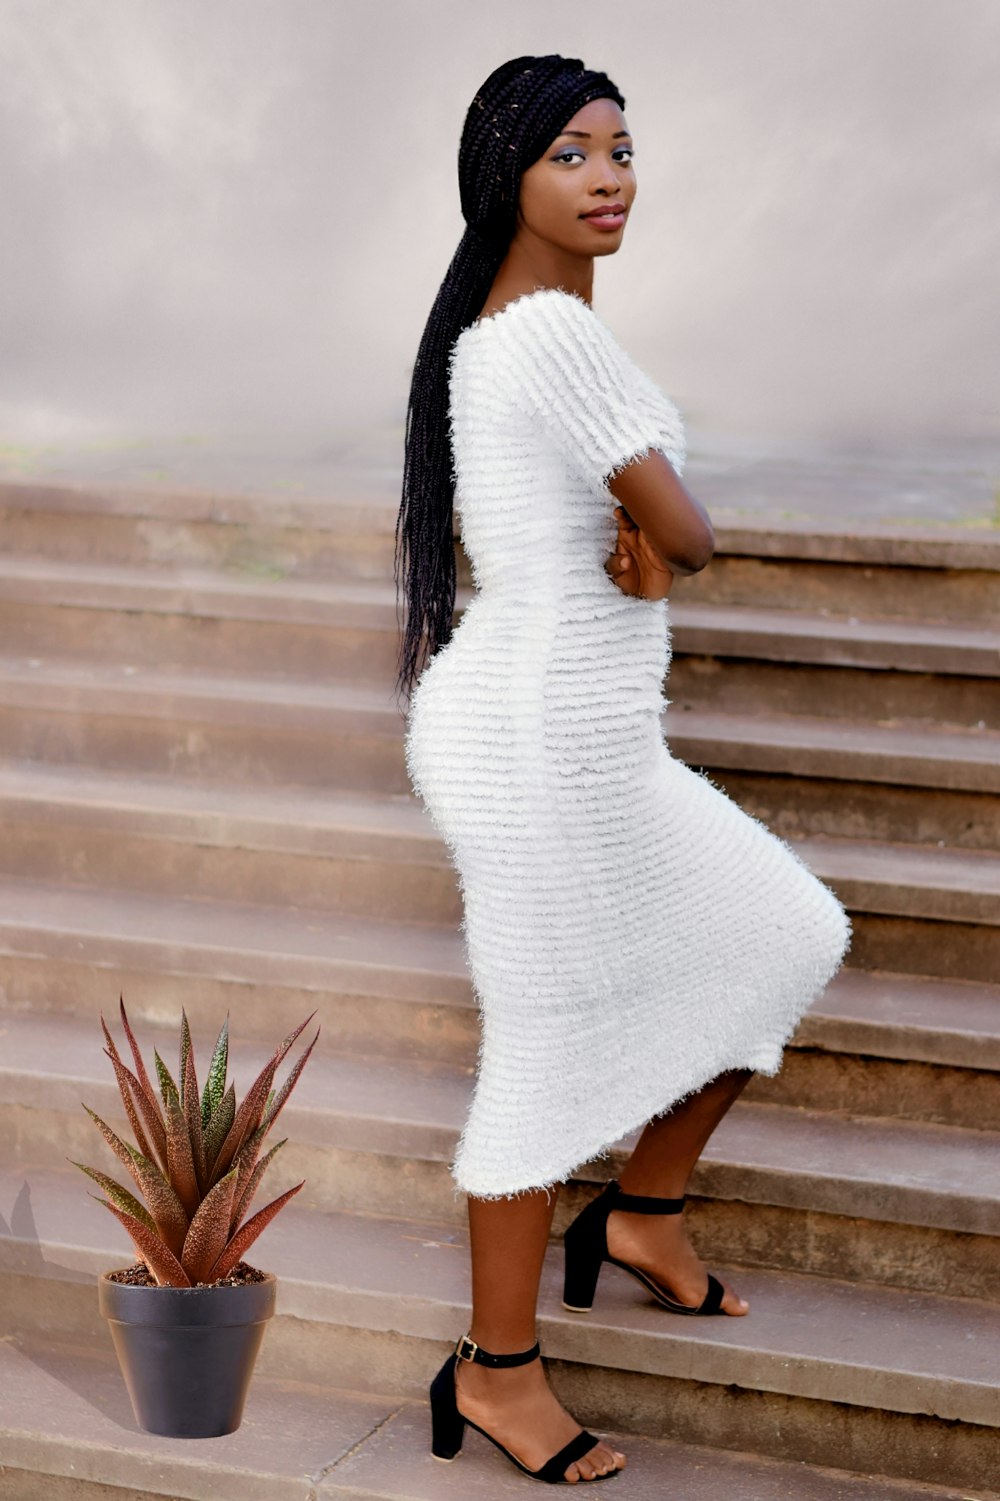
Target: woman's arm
{"x": 672, "y": 521}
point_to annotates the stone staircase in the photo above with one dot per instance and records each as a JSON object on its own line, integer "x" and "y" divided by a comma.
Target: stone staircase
{"x": 203, "y": 801}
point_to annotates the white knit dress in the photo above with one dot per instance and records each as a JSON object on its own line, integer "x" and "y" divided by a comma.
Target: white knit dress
{"x": 630, "y": 931}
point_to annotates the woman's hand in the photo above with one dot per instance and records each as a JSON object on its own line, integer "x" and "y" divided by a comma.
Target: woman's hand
{"x": 635, "y": 565}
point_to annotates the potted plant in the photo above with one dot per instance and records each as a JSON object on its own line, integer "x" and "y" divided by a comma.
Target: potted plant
{"x": 187, "y": 1319}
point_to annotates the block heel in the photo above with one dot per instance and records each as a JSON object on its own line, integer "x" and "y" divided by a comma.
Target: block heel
{"x": 448, "y": 1423}
{"x": 585, "y": 1249}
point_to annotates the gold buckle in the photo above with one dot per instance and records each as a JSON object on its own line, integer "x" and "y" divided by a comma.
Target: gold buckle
{"x": 459, "y": 1351}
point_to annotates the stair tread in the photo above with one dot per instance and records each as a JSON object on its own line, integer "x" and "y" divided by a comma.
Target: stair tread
{"x": 365, "y": 499}
{"x": 956, "y": 1021}
{"x": 67, "y": 1413}
{"x": 882, "y": 1168}
{"x": 805, "y": 1336}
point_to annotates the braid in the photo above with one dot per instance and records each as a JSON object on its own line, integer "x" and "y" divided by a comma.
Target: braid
{"x": 515, "y": 115}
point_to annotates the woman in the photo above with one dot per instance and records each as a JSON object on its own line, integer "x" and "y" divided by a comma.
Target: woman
{"x": 638, "y": 944}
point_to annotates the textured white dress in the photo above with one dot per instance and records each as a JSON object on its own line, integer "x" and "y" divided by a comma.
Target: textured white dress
{"x": 630, "y": 931}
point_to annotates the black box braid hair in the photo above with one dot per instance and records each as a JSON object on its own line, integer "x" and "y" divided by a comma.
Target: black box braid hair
{"x": 516, "y": 114}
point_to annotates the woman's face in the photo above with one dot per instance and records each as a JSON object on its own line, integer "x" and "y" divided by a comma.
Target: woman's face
{"x": 588, "y": 166}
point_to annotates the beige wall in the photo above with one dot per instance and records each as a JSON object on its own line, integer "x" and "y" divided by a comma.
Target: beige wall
{"x": 235, "y": 216}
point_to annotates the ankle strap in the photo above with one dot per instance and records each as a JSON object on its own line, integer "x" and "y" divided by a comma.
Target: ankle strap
{"x": 642, "y": 1203}
{"x": 467, "y": 1349}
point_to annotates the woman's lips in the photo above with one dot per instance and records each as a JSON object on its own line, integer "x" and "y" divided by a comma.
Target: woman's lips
{"x": 605, "y": 221}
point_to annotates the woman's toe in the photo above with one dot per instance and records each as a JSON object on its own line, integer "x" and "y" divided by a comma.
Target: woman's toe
{"x": 733, "y": 1304}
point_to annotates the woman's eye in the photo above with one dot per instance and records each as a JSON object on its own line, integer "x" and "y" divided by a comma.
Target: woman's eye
{"x": 575, "y": 151}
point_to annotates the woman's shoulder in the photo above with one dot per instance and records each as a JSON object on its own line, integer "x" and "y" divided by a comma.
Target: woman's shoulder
{"x": 543, "y": 316}
{"x": 551, "y": 334}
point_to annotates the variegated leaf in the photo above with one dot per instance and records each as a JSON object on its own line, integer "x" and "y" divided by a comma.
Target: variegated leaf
{"x": 245, "y": 1237}
{"x": 168, "y": 1089}
{"x": 209, "y": 1230}
{"x": 118, "y": 1195}
{"x": 245, "y": 1196}
{"x": 273, "y": 1109}
{"x": 140, "y": 1067}
{"x": 180, "y": 1169}
{"x": 218, "y": 1127}
{"x": 215, "y": 1084}
{"x": 153, "y": 1144}
{"x": 161, "y": 1261}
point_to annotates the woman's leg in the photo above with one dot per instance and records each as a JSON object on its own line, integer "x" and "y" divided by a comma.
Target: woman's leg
{"x": 661, "y": 1166}
{"x": 516, "y": 1404}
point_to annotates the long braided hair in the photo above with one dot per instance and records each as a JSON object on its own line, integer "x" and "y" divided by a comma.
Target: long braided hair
{"x": 518, "y": 112}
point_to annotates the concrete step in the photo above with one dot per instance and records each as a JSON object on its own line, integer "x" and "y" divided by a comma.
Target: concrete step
{"x": 872, "y": 1044}
{"x": 299, "y": 1443}
{"x": 272, "y": 535}
{"x": 375, "y": 856}
{"x": 823, "y": 571}
{"x": 900, "y": 1383}
{"x": 278, "y": 730}
{"x": 376, "y": 1134}
{"x": 188, "y": 617}
{"x": 914, "y": 572}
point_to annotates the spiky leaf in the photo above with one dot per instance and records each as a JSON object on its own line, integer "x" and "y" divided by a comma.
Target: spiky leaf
{"x": 167, "y": 1210}
{"x": 161, "y": 1262}
{"x": 248, "y": 1116}
{"x": 118, "y": 1195}
{"x": 140, "y": 1067}
{"x": 245, "y": 1197}
{"x": 272, "y": 1110}
{"x": 192, "y": 1113}
{"x": 218, "y": 1127}
{"x": 168, "y": 1089}
{"x": 246, "y": 1157}
{"x": 180, "y": 1162}
{"x": 209, "y": 1230}
{"x": 215, "y": 1084}
{"x": 155, "y": 1145}
{"x": 245, "y": 1237}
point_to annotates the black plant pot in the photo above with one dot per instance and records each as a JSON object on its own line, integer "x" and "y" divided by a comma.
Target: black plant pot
{"x": 187, "y": 1353}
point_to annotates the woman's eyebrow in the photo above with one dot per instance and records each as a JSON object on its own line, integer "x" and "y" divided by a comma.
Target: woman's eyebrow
{"x": 587, "y": 133}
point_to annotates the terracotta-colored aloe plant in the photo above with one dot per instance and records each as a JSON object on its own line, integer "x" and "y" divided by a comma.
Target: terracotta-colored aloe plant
{"x": 198, "y": 1162}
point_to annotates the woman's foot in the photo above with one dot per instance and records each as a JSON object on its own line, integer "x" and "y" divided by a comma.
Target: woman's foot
{"x": 519, "y": 1408}
{"x": 659, "y": 1244}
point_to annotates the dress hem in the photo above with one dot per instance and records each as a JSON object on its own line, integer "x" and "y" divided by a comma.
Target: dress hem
{"x": 767, "y": 1062}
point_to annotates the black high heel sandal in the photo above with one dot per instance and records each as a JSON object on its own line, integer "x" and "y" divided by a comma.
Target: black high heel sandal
{"x": 448, "y": 1424}
{"x": 585, "y": 1246}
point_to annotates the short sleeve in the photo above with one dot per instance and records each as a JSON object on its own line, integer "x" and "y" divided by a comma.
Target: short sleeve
{"x": 568, "y": 369}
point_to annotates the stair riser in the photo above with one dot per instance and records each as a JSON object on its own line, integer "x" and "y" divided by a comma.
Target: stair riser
{"x": 388, "y": 887}
{"x": 736, "y": 1216}
{"x": 858, "y": 1085}
{"x": 746, "y": 684}
{"x": 845, "y": 589}
{"x": 923, "y": 946}
{"x": 252, "y": 551}
{"x": 241, "y": 647}
{"x": 865, "y": 1436}
{"x": 797, "y": 806}
{"x": 381, "y": 886}
{"x": 362, "y": 545}
{"x": 438, "y": 1021}
{"x": 312, "y": 749}
{"x": 444, "y": 1027}
{"x": 711, "y": 668}
{"x": 309, "y": 747}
